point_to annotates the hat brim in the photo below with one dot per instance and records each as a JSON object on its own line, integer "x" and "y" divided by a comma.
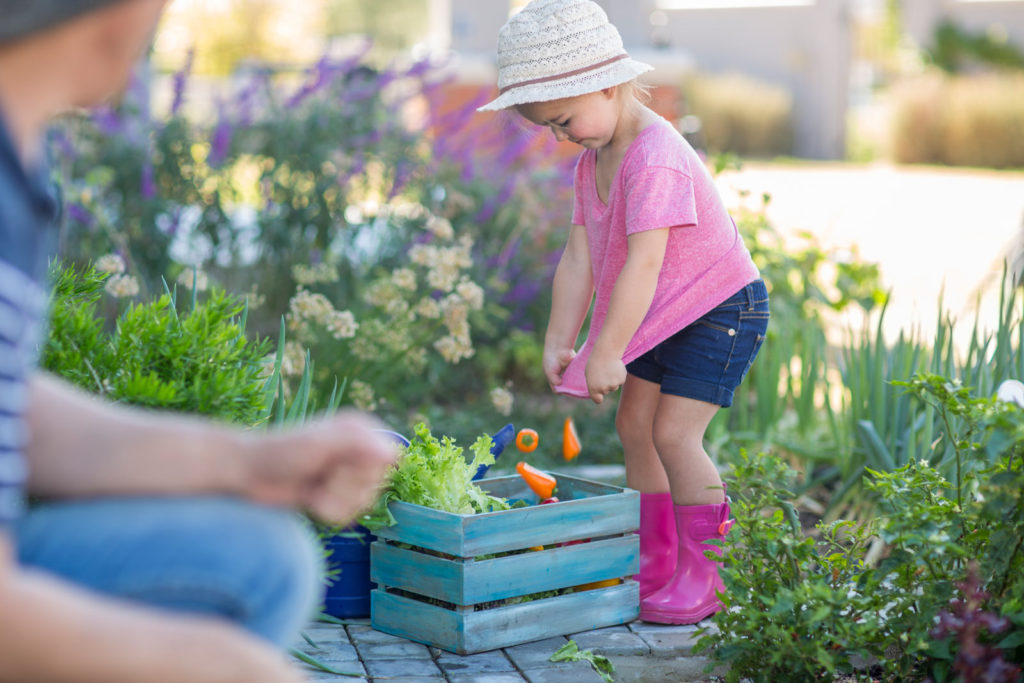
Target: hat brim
{"x": 614, "y": 74}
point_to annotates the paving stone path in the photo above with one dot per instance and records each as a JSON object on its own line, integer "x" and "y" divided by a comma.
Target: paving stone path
{"x": 649, "y": 653}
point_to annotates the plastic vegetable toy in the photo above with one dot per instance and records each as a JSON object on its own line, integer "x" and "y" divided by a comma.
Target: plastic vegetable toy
{"x": 527, "y": 440}
{"x": 541, "y": 483}
{"x": 570, "y": 440}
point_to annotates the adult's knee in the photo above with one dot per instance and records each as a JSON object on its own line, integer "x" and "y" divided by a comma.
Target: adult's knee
{"x": 285, "y": 569}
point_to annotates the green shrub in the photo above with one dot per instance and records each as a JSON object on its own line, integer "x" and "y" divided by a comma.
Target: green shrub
{"x": 955, "y": 49}
{"x": 194, "y": 361}
{"x": 960, "y": 120}
{"x": 741, "y": 115}
{"x": 800, "y": 606}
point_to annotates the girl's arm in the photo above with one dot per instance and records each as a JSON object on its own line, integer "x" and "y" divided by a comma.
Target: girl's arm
{"x": 631, "y": 297}
{"x": 571, "y": 294}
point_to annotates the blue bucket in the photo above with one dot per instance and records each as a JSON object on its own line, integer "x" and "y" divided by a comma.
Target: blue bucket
{"x": 348, "y": 594}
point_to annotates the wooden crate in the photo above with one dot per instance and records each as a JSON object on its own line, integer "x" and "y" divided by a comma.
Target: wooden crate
{"x": 469, "y": 579}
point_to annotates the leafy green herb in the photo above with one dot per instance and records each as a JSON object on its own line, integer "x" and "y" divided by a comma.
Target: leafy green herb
{"x": 570, "y": 652}
{"x": 434, "y": 473}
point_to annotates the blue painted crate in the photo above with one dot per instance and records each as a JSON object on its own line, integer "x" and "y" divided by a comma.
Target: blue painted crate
{"x": 452, "y": 592}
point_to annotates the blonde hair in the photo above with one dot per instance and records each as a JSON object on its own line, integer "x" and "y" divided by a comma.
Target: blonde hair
{"x": 640, "y": 91}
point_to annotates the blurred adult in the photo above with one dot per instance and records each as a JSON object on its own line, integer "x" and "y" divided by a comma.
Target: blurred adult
{"x": 156, "y": 548}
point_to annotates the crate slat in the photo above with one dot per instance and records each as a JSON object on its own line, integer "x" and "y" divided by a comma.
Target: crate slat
{"x": 467, "y": 583}
{"x": 601, "y": 510}
{"x": 472, "y": 632}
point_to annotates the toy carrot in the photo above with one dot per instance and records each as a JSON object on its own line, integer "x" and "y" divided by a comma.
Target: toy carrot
{"x": 542, "y": 483}
{"x": 570, "y": 440}
{"x": 527, "y": 440}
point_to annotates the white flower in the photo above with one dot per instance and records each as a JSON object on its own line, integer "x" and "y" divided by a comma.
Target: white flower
{"x": 122, "y": 285}
{"x": 110, "y": 263}
{"x": 405, "y": 209}
{"x": 428, "y": 308}
{"x": 361, "y": 394}
{"x": 254, "y": 299}
{"x": 404, "y": 278}
{"x": 441, "y": 227}
{"x": 422, "y": 254}
{"x": 293, "y": 361}
{"x": 310, "y": 305}
{"x": 454, "y": 348}
{"x": 502, "y": 400}
{"x": 342, "y": 324}
{"x": 396, "y": 307}
{"x": 310, "y": 275}
{"x": 471, "y": 293}
{"x": 455, "y": 311}
{"x": 443, "y": 277}
{"x": 200, "y": 281}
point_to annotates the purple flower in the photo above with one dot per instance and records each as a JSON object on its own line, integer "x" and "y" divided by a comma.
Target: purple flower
{"x": 107, "y": 120}
{"x": 78, "y": 213}
{"x": 148, "y": 184}
{"x": 180, "y": 80}
{"x": 487, "y": 210}
{"x": 220, "y": 142}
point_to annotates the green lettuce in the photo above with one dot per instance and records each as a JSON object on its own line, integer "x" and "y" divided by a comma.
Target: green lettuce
{"x": 435, "y": 474}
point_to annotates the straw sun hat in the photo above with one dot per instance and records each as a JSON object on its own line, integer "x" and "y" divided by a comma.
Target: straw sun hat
{"x": 559, "y": 48}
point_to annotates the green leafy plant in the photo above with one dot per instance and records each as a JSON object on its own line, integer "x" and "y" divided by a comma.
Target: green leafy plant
{"x": 196, "y": 360}
{"x": 434, "y": 473}
{"x": 845, "y": 598}
{"x": 571, "y": 652}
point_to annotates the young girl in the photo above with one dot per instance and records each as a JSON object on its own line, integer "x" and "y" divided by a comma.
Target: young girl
{"x": 679, "y": 308}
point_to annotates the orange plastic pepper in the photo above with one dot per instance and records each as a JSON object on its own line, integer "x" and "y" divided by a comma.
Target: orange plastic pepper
{"x": 542, "y": 483}
{"x": 527, "y": 440}
{"x": 570, "y": 440}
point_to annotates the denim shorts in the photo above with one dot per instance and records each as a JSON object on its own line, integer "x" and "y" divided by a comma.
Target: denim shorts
{"x": 708, "y": 359}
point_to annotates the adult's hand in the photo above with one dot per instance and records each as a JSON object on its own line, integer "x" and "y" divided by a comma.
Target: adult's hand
{"x": 332, "y": 467}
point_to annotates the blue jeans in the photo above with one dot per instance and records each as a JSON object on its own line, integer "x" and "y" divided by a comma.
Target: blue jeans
{"x": 256, "y": 566}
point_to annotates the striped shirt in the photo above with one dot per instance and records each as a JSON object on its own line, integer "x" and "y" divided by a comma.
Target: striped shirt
{"x": 27, "y": 217}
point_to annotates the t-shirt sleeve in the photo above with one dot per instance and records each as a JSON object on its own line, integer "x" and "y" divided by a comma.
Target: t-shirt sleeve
{"x": 21, "y": 302}
{"x": 659, "y": 197}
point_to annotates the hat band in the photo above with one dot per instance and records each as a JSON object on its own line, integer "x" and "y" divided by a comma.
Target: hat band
{"x": 560, "y": 76}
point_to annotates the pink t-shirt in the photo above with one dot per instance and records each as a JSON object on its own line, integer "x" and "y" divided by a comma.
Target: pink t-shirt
{"x": 660, "y": 183}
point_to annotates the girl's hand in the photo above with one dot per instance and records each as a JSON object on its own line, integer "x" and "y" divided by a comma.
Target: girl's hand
{"x": 555, "y": 363}
{"x": 604, "y": 375}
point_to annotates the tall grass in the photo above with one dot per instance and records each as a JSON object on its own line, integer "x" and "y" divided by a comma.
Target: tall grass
{"x": 834, "y": 433}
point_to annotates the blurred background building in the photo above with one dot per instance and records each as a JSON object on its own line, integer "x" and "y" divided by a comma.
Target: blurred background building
{"x": 759, "y": 78}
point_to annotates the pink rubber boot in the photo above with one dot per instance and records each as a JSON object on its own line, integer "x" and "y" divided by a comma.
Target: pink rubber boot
{"x": 689, "y": 595}
{"x": 658, "y": 542}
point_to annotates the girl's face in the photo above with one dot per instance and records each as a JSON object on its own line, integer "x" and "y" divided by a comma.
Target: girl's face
{"x": 588, "y": 120}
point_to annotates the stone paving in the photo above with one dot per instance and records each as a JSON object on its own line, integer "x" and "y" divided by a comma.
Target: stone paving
{"x": 650, "y": 653}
